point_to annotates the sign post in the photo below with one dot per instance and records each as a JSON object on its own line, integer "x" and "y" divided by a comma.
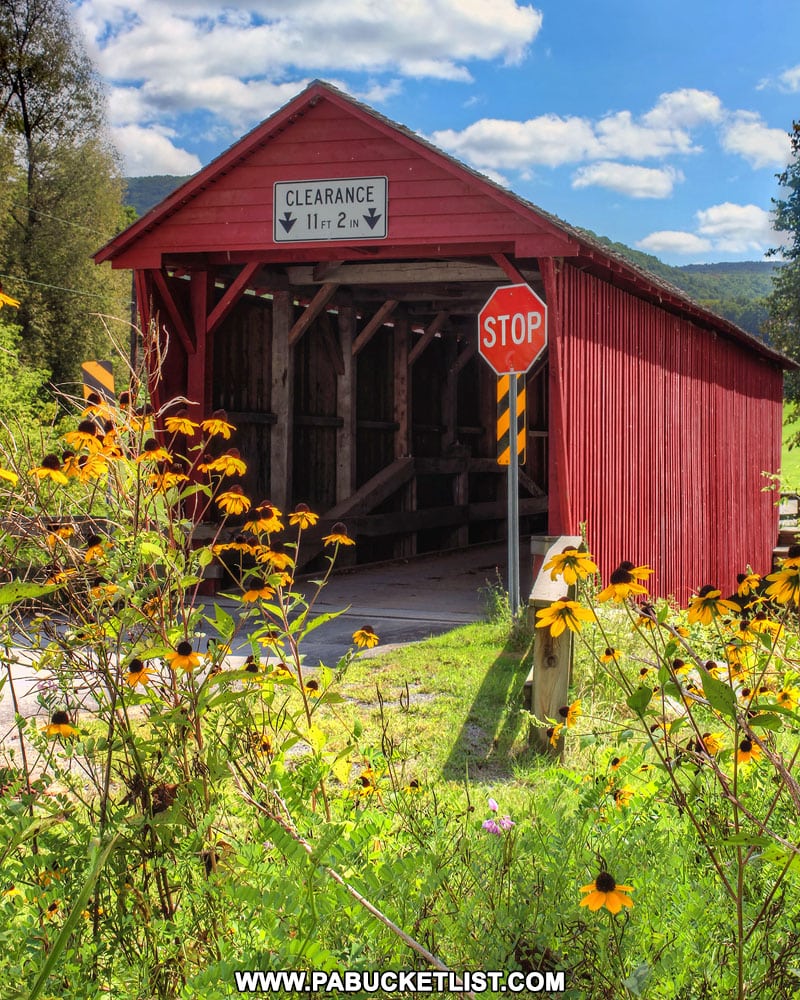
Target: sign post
{"x": 512, "y": 333}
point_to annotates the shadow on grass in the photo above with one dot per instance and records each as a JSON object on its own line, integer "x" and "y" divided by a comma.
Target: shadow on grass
{"x": 493, "y": 735}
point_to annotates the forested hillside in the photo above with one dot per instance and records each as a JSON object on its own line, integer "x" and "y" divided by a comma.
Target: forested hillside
{"x": 735, "y": 290}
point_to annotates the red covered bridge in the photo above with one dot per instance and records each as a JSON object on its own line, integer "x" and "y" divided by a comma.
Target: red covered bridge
{"x": 321, "y": 281}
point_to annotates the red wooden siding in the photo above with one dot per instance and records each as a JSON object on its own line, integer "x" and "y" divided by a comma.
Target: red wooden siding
{"x": 427, "y": 202}
{"x": 669, "y": 428}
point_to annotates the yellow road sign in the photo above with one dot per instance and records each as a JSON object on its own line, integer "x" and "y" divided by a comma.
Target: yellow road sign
{"x": 504, "y": 435}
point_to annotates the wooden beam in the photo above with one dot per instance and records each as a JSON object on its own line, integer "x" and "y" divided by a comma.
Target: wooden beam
{"x": 374, "y": 325}
{"x": 503, "y": 262}
{"x": 346, "y": 407}
{"x": 399, "y": 272}
{"x": 312, "y": 310}
{"x": 281, "y": 436}
{"x": 199, "y": 365}
{"x": 232, "y": 294}
{"x": 377, "y": 489}
{"x": 402, "y": 396}
{"x": 173, "y": 311}
{"x": 330, "y": 344}
{"x": 466, "y": 355}
{"x": 433, "y": 328}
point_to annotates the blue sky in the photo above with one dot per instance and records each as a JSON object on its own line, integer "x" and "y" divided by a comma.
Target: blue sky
{"x": 660, "y": 125}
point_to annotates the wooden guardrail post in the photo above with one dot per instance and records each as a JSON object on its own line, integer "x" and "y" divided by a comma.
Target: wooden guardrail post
{"x": 548, "y": 680}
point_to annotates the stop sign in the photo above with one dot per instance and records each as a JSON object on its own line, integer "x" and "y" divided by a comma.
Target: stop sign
{"x": 512, "y": 329}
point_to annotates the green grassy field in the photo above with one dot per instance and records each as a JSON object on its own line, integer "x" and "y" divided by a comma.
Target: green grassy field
{"x": 790, "y": 459}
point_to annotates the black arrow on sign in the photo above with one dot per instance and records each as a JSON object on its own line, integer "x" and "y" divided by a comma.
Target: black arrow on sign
{"x": 287, "y": 221}
{"x": 372, "y": 219}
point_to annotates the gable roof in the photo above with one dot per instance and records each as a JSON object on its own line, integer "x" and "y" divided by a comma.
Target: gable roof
{"x": 563, "y": 239}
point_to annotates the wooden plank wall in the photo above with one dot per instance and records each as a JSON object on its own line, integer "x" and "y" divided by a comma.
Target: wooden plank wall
{"x": 669, "y": 428}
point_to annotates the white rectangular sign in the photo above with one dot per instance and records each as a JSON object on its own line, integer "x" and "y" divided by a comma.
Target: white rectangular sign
{"x": 343, "y": 208}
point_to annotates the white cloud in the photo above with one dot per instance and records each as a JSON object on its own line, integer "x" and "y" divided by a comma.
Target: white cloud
{"x": 737, "y": 228}
{"x": 790, "y": 79}
{"x": 551, "y": 140}
{"x": 745, "y": 134}
{"x": 723, "y": 228}
{"x": 495, "y": 143}
{"x": 685, "y": 108}
{"x": 150, "y": 42}
{"x": 674, "y": 241}
{"x": 628, "y": 179}
{"x": 148, "y": 151}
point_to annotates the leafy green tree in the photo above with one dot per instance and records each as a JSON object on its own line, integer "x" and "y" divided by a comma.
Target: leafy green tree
{"x": 783, "y": 327}
{"x": 64, "y": 198}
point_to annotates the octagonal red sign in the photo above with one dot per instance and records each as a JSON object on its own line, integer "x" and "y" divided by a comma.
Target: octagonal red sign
{"x": 512, "y": 329}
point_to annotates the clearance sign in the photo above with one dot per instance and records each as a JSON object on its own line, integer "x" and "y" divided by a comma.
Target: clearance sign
{"x": 342, "y": 208}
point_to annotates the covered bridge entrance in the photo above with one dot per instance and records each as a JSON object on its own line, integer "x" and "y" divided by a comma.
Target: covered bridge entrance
{"x": 320, "y": 281}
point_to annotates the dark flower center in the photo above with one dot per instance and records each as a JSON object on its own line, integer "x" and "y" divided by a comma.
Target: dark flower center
{"x": 746, "y": 746}
{"x": 51, "y": 462}
{"x": 135, "y": 666}
{"x": 564, "y": 711}
{"x": 605, "y": 883}
{"x": 150, "y": 445}
{"x": 60, "y": 718}
{"x": 184, "y": 648}
{"x": 621, "y": 575}
{"x": 609, "y": 651}
{"x": 705, "y": 590}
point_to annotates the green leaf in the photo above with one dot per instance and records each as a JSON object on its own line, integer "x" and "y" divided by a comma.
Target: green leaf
{"x": 10, "y": 593}
{"x": 637, "y": 980}
{"x": 640, "y": 699}
{"x": 205, "y": 557}
{"x": 97, "y": 862}
{"x": 720, "y": 696}
{"x": 766, "y": 721}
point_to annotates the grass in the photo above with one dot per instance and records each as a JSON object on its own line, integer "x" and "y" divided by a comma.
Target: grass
{"x": 790, "y": 457}
{"x": 451, "y": 706}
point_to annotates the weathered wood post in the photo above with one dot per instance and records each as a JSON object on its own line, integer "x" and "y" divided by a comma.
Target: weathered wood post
{"x": 548, "y": 680}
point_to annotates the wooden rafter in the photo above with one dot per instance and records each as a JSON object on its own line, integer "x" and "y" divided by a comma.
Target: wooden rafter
{"x": 173, "y": 311}
{"x": 374, "y": 325}
{"x": 503, "y": 262}
{"x": 232, "y": 295}
{"x": 433, "y": 328}
{"x": 313, "y": 309}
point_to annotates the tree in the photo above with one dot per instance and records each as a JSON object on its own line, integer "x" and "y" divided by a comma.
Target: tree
{"x": 783, "y": 326}
{"x": 64, "y": 198}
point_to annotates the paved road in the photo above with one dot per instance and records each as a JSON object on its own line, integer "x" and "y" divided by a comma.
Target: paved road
{"x": 402, "y": 602}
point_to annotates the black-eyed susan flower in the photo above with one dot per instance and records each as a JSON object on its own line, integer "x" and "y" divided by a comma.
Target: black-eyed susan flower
{"x": 413, "y": 787}
{"x": 217, "y": 425}
{"x": 367, "y": 784}
{"x": 312, "y": 688}
{"x": 179, "y": 423}
{"x": 622, "y": 584}
{"x": 748, "y": 752}
{"x": 229, "y": 463}
{"x": 60, "y": 725}
{"x": 784, "y": 584}
{"x": 622, "y": 796}
{"x": 103, "y": 591}
{"x": 9, "y": 476}
{"x": 281, "y": 672}
{"x": 747, "y": 584}
{"x": 338, "y": 535}
{"x": 788, "y": 697}
{"x": 86, "y": 435}
{"x": 274, "y": 557}
{"x": 365, "y": 637}
{"x": 260, "y": 743}
{"x": 616, "y": 762}
{"x": 571, "y": 713}
{"x": 259, "y": 590}
{"x": 91, "y": 467}
{"x": 561, "y": 615}
{"x": 138, "y": 672}
{"x": 58, "y": 533}
{"x": 152, "y": 451}
{"x": 303, "y": 517}
{"x": 52, "y": 910}
{"x": 604, "y": 892}
{"x": 571, "y": 564}
{"x": 708, "y": 604}
{"x": 233, "y": 501}
{"x": 95, "y": 549}
{"x": 611, "y": 655}
{"x": 183, "y": 657}
{"x": 6, "y": 300}
{"x": 554, "y": 734}
{"x": 50, "y": 468}
{"x": 265, "y": 519}
{"x": 710, "y": 743}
